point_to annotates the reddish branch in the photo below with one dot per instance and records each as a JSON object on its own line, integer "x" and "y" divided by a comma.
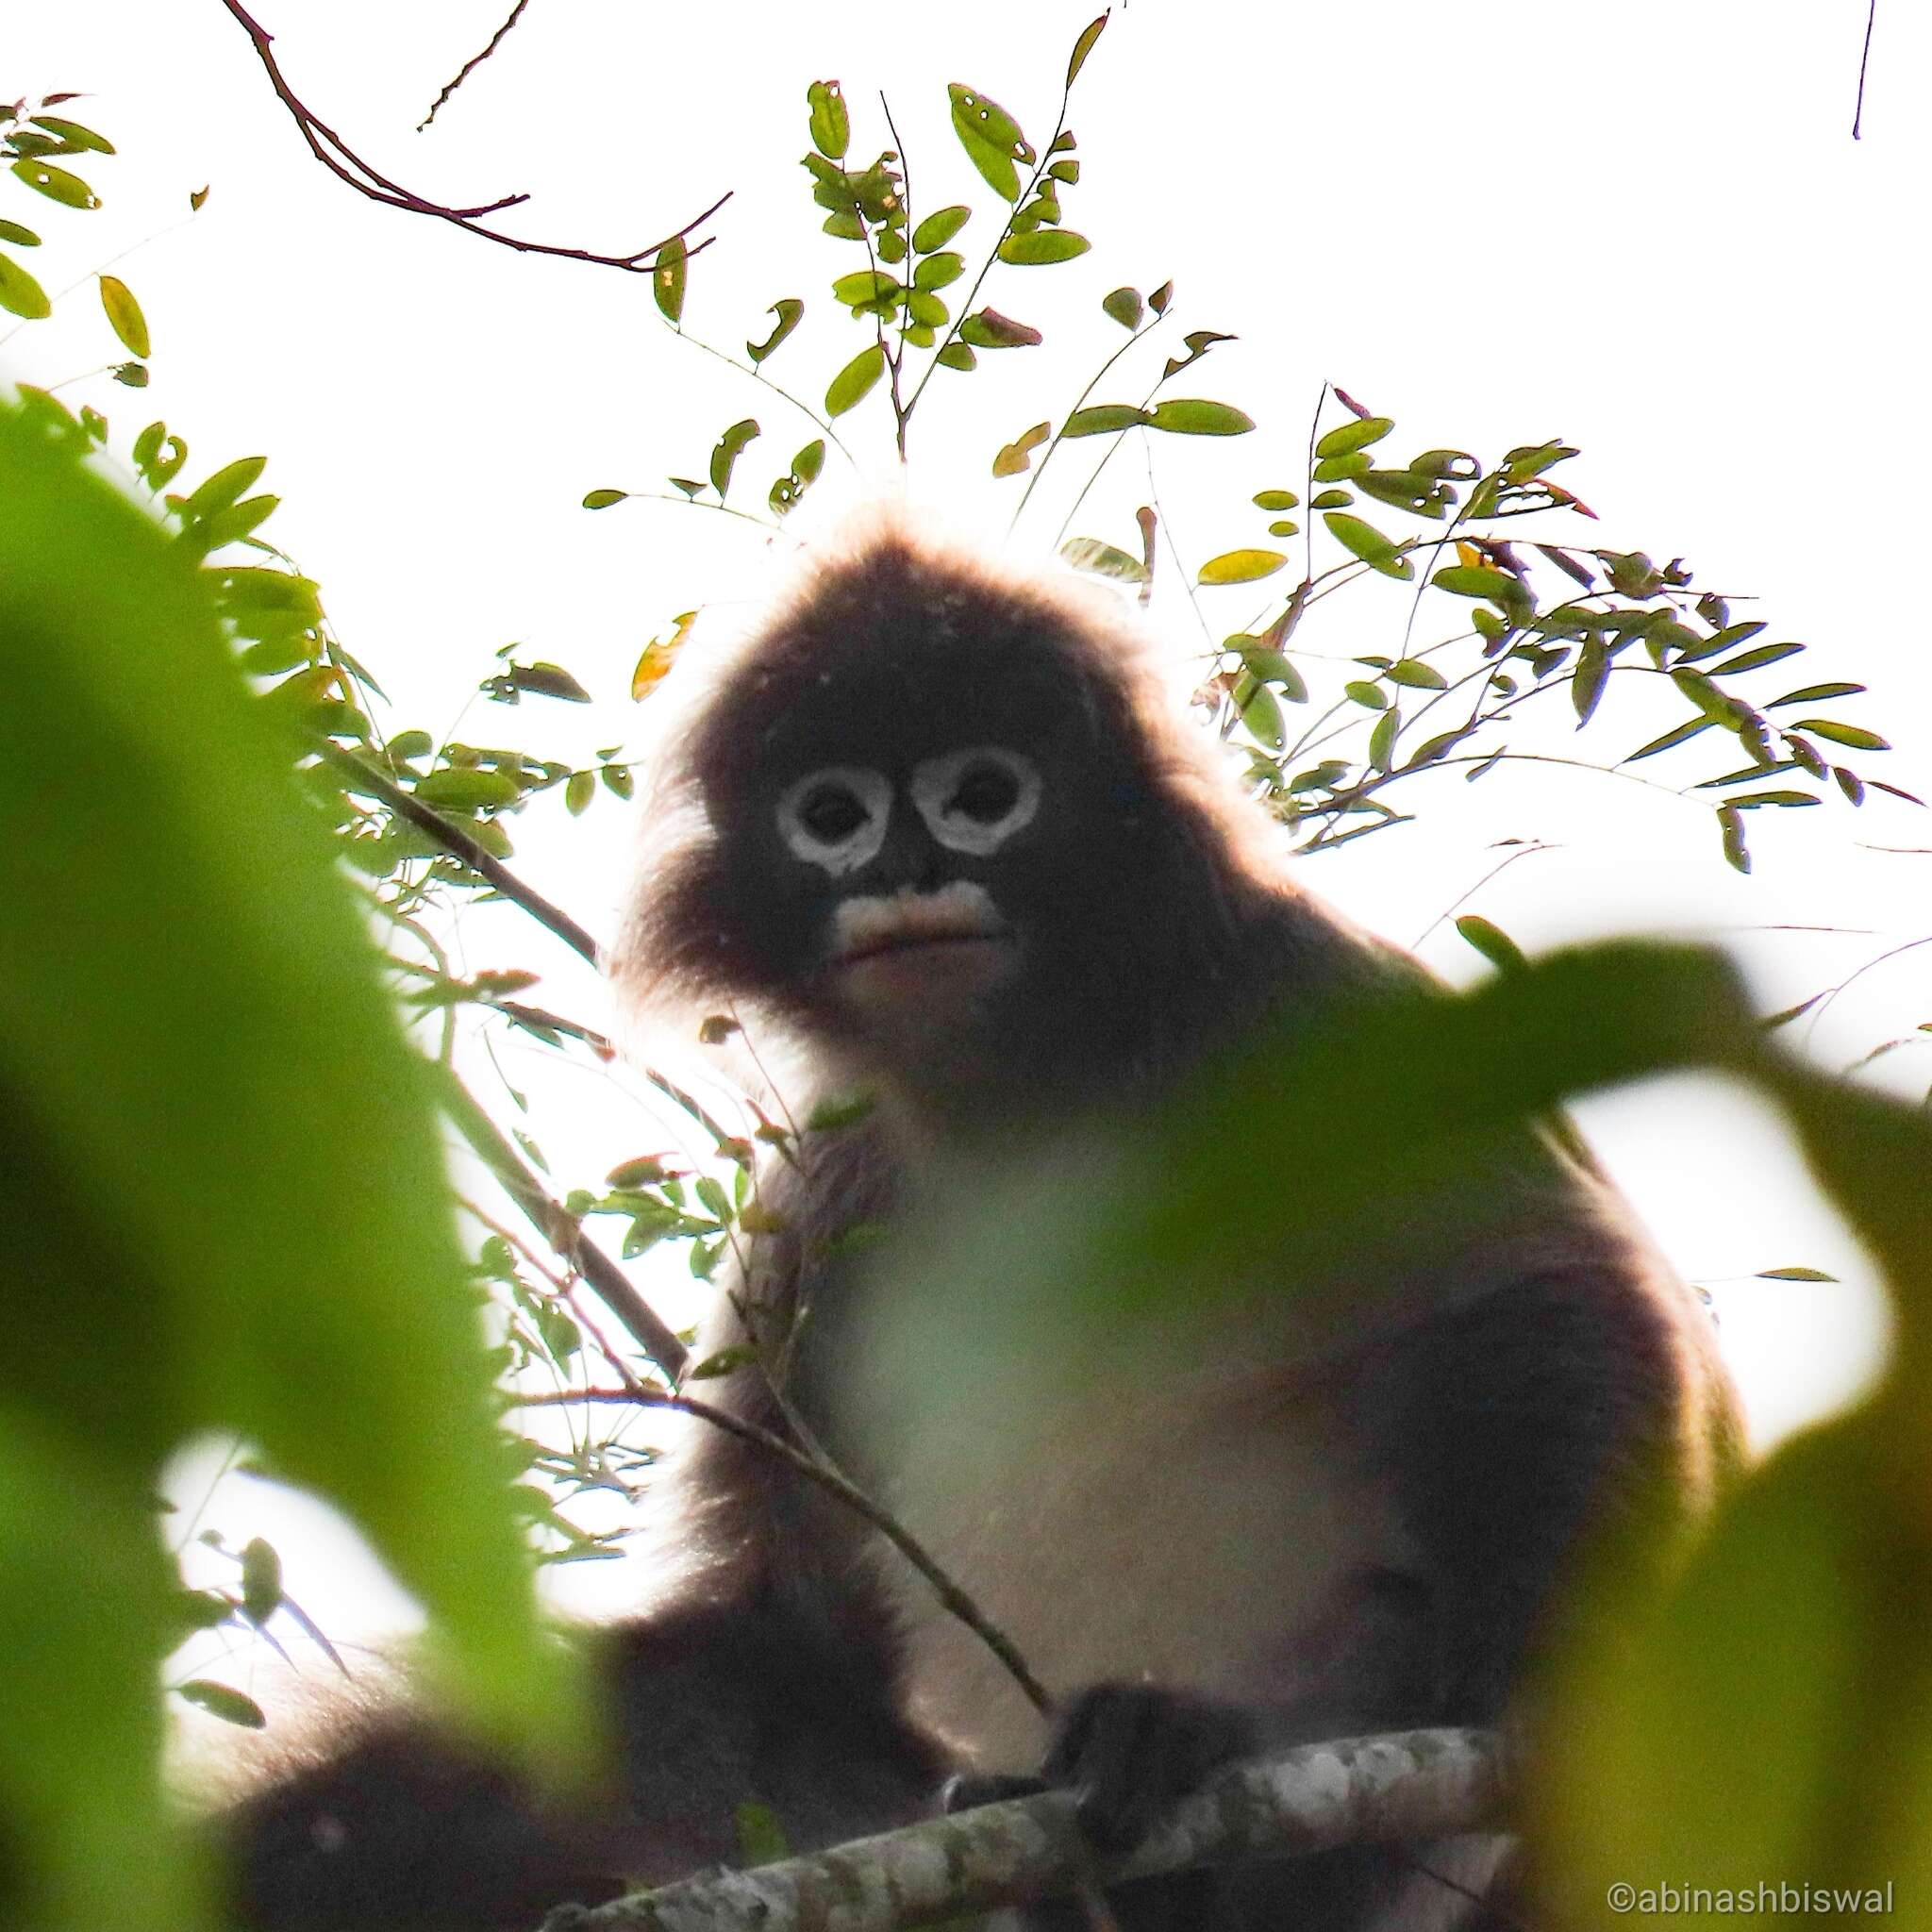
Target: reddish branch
{"x": 469, "y": 66}
{"x": 342, "y": 161}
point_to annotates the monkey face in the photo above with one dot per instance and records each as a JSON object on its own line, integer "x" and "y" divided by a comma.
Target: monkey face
{"x": 908, "y": 936}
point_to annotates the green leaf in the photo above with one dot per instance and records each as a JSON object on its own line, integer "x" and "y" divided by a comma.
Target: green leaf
{"x": 729, "y": 448}
{"x": 1084, "y": 46}
{"x": 1479, "y": 580}
{"x": 1274, "y": 499}
{"x": 1748, "y": 801}
{"x": 1368, "y": 543}
{"x": 548, "y": 680}
{"x": 1192, "y": 416}
{"x": 1346, "y": 437}
{"x": 1588, "y": 680}
{"x": 467, "y": 788}
{"x": 992, "y": 139}
{"x": 84, "y": 140}
{"x": 1754, "y": 661}
{"x": 1331, "y": 499}
{"x": 865, "y": 286}
{"x": 1260, "y": 711}
{"x": 1240, "y": 566}
{"x": 21, "y": 236}
{"x": 853, "y": 382}
{"x": 1680, "y": 734}
{"x": 956, "y": 356}
{"x": 1853, "y": 735}
{"x": 788, "y": 310}
{"x": 831, "y": 127}
{"x": 1103, "y": 559}
{"x": 809, "y": 462}
{"x": 1416, "y": 673}
{"x": 1795, "y": 1274}
{"x": 19, "y": 295}
{"x": 938, "y": 270}
{"x": 125, "y": 316}
{"x": 1125, "y": 306}
{"x": 1043, "y": 245}
{"x": 1814, "y": 694}
{"x": 939, "y": 227}
{"x": 216, "y": 492}
{"x": 56, "y": 184}
{"x": 1103, "y": 418}
{"x": 282, "y": 1253}
{"x": 1367, "y": 694}
{"x": 1731, "y": 828}
{"x": 667, "y": 279}
{"x": 1492, "y": 941}
{"x": 1382, "y": 740}
{"x": 578, "y": 790}
{"x": 603, "y": 499}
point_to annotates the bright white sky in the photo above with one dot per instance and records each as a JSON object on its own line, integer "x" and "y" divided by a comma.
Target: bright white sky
{"x": 1639, "y": 225}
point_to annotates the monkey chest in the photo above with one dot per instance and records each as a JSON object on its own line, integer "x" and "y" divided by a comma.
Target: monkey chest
{"x": 1132, "y": 1528}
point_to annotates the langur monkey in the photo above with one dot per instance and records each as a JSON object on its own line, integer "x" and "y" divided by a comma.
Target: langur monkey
{"x": 933, "y": 825}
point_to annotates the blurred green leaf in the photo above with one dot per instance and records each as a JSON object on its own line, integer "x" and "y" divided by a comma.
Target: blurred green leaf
{"x": 667, "y": 279}
{"x": 1240, "y": 566}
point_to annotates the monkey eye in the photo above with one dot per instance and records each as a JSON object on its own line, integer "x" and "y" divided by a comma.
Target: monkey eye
{"x": 973, "y": 801}
{"x": 836, "y": 818}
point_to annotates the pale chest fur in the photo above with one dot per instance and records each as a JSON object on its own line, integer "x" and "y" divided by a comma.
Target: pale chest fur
{"x": 1143, "y": 1523}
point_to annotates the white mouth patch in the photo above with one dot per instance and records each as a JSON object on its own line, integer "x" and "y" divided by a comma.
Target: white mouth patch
{"x": 881, "y": 924}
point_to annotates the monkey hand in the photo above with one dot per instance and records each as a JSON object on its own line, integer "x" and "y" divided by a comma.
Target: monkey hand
{"x": 1128, "y": 1751}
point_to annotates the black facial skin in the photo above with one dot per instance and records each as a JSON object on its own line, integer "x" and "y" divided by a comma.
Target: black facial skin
{"x": 1298, "y": 1541}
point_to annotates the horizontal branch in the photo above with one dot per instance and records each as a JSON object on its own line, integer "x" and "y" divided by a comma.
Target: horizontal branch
{"x": 1358, "y": 1790}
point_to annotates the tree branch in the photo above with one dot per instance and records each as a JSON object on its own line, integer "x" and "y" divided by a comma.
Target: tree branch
{"x": 364, "y": 777}
{"x": 1358, "y": 1790}
{"x": 475, "y": 61}
{"x": 345, "y": 164}
{"x": 563, "y": 1231}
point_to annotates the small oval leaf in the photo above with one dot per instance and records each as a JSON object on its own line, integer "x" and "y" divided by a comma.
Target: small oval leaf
{"x": 1192, "y": 416}
{"x": 1240, "y": 566}
{"x": 125, "y": 316}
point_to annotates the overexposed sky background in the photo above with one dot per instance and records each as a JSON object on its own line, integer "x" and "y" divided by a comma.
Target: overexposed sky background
{"x": 1641, "y": 227}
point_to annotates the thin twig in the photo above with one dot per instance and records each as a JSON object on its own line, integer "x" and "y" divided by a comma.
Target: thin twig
{"x": 364, "y": 777}
{"x": 469, "y": 66}
{"x": 951, "y": 1596}
{"x": 1865, "y": 60}
{"x": 345, "y": 164}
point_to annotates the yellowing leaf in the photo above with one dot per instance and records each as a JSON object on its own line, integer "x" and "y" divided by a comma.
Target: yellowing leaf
{"x": 125, "y": 316}
{"x": 1240, "y": 566}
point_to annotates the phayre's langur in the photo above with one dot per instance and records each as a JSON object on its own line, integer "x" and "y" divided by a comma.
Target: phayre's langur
{"x": 934, "y": 825}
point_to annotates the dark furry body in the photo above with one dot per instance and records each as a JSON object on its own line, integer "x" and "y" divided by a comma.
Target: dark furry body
{"x": 1298, "y": 1522}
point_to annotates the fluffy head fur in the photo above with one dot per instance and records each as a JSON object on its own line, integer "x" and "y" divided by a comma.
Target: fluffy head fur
{"x": 1143, "y": 864}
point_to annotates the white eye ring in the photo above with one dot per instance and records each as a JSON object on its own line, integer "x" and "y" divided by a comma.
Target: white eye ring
{"x": 937, "y": 790}
{"x": 850, "y": 843}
